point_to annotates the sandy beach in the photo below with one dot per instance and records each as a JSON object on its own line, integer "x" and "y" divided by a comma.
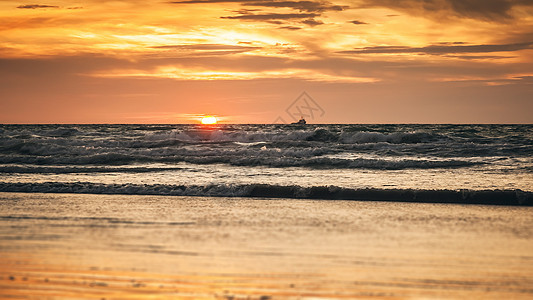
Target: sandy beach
{"x": 76, "y": 246}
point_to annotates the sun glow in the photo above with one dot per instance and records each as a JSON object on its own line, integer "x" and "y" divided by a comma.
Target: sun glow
{"x": 209, "y": 120}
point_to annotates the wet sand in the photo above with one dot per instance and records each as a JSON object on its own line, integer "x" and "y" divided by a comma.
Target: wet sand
{"x": 61, "y": 246}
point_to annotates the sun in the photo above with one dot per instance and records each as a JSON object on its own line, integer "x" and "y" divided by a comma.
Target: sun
{"x": 209, "y": 120}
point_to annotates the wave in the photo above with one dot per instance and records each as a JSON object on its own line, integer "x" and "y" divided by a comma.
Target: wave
{"x": 492, "y": 197}
{"x": 314, "y": 135}
{"x": 307, "y": 158}
{"x": 338, "y": 163}
{"x": 66, "y": 170}
{"x": 387, "y": 147}
{"x": 393, "y": 138}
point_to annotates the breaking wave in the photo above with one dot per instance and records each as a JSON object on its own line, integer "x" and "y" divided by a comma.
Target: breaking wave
{"x": 65, "y": 170}
{"x": 493, "y": 197}
{"x": 234, "y": 159}
{"x": 318, "y": 135}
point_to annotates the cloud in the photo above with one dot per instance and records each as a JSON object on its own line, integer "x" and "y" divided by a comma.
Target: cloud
{"x": 237, "y": 68}
{"x": 246, "y": 11}
{"x": 304, "y": 5}
{"x": 485, "y": 9}
{"x": 473, "y": 57}
{"x": 309, "y": 6}
{"x": 207, "y": 49}
{"x": 356, "y": 22}
{"x": 488, "y": 10}
{"x": 291, "y": 27}
{"x": 34, "y": 6}
{"x": 312, "y": 22}
{"x": 441, "y": 49}
{"x": 307, "y": 10}
{"x": 271, "y": 16}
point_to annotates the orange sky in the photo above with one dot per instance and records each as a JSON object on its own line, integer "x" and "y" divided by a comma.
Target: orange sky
{"x": 366, "y": 61}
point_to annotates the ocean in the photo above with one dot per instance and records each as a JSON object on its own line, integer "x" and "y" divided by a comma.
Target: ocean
{"x": 436, "y": 163}
{"x": 266, "y": 212}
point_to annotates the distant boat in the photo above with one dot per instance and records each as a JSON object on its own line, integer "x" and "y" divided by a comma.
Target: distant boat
{"x": 301, "y": 121}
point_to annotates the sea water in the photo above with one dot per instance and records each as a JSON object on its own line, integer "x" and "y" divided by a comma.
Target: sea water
{"x": 291, "y": 161}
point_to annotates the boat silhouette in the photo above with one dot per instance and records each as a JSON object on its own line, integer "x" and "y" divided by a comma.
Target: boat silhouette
{"x": 301, "y": 121}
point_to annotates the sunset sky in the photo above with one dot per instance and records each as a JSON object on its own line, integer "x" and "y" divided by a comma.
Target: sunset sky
{"x": 362, "y": 61}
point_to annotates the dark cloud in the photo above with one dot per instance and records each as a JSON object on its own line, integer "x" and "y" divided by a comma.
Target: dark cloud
{"x": 304, "y": 5}
{"x": 309, "y": 6}
{"x": 245, "y": 11}
{"x": 525, "y": 79}
{"x": 474, "y": 57}
{"x": 273, "y": 16}
{"x": 488, "y": 10}
{"x": 452, "y": 43}
{"x": 485, "y": 9}
{"x": 34, "y": 6}
{"x": 291, "y": 27}
{"x": 312, "y": 22}
{"x": 307, "y": 9}
{"x": 356, "y": 22}
{"x": 441, "y": 49}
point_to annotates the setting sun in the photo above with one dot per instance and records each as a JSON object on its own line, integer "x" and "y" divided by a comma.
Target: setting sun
{"x": 209, "y": 120}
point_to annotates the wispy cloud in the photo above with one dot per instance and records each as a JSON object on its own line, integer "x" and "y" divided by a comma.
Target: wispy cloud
{"x": 271, "y": 16}
{"x": 35, "y": 6}
{"x": 312, "y": 22}
{"x": 441, "y": 49}
{"x": 291, "y": 27}
{"x": 357, "y": 22}
{"x": 207, "y": 49}
{"x": 309, "y": 6}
